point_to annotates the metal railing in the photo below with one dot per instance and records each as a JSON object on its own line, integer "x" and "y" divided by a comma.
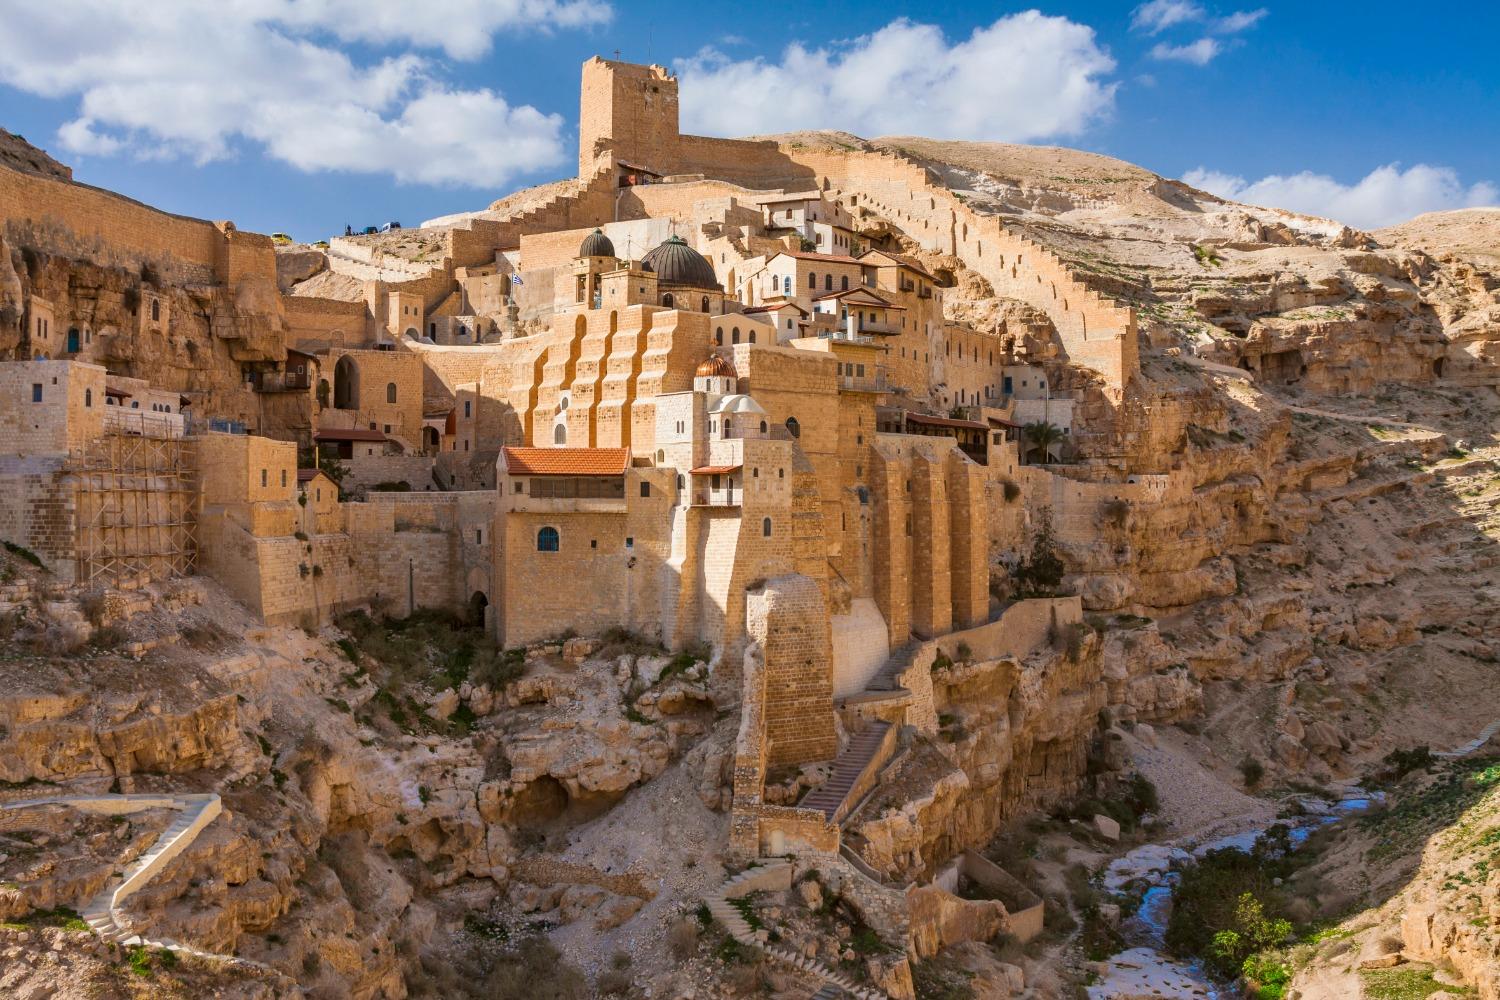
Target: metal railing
{"x": 144, "y": 423}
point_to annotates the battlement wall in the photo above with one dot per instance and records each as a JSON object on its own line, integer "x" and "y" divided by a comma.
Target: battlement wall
{"x": 76, "y": 220}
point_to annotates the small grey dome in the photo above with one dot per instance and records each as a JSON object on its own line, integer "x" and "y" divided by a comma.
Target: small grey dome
{"x": 596, "y": 244}
{"x": 676, "y": 263}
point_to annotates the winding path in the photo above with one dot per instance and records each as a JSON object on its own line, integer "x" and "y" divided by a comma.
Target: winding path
{"x": 101, "y": 912}
{"x": 835, "y": 984}
{"x": 1485, "y": 735}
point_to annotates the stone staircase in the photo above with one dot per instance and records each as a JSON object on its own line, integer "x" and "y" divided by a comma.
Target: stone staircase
{"x": 832, "y": 796}
{"x": 101, "y": 912}
{"x": 778, "y": 876}
{"x": 1485, "y": 735}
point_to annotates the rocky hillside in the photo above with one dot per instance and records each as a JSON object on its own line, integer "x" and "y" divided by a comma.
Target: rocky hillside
{"x": 18, "y": 154}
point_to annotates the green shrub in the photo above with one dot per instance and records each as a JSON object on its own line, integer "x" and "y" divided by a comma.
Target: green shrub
{"x": 1252, "y": 771}
{"x": 24, "y": 553}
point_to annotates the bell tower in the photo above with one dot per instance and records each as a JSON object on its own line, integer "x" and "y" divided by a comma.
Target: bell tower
{"x": 628, "y": 110}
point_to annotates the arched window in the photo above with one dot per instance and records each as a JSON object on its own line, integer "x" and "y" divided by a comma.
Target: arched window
{"x": 547, "y": 540}
{"x": 719, "y": 336}
{"x": 88, "y": 397}
{"x": 666, "y": 300}
{"x": 763, "y": 427}
{"x": 827, "y": 282}
{"x": 560, "y": 434}
{"x": 786, "y": 285}
{"x": 390, "y": 392}
{"x": 752, "y": 336}
{"x": 812, "y": 281}
{"x": 705, "y": 304}
{"x": 345, "y": 384}
{"x": 156, "y": 310}
{"x": 793, "y": 427}
{"x": 734, "y": 335}
{"x": 844, "y": 283}
{"x": 765, "y": 527}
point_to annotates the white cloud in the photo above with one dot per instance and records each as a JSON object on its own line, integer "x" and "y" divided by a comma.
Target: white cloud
{"x": 79, "y": 136}
{"x": 1239, "y": 21}
{"x": 1159, "y": 15}
{"x": 1386, "y": 196}
{"x": 1199, "y": 53}
{"x": 199, "y": 79}
{"x": 1026, "y": 76}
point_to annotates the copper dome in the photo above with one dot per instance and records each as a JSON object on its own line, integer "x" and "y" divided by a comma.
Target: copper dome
{"x": 716, "y": 367}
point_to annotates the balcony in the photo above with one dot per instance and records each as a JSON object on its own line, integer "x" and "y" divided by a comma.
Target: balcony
{"x": 282, "y": 382}
{"x": 880, "y": 327}
{"x": 861, "y": 383}
{"x": 142, "y": 423}
{"x": 718, "y": 498}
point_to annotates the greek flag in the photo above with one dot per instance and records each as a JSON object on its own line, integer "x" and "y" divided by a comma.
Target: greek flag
{"x": 515, "y": 279}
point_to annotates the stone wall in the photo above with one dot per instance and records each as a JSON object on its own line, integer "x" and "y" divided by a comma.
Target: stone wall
{"x": 75, "y": 220}
{"x": 787, "y": 617}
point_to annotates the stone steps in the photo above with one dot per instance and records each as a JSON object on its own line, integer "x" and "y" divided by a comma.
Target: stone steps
{"x": 1485, "y": 735}
{"x": 739, "y": 929}
{"x": 847, "y": 768}
{"x": 198, "y": 810}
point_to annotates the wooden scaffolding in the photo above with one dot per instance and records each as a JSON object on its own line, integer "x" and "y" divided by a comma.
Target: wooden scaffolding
{"x": 134, "y": 507}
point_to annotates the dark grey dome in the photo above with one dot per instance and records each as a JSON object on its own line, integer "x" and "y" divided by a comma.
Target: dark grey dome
{"x": 596, "y": 244}
{"x": 676, "y": 263}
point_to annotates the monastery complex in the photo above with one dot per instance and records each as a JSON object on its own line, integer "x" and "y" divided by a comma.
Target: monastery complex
{"x": 706, "y": 393}
{"x": 794, "y": 464}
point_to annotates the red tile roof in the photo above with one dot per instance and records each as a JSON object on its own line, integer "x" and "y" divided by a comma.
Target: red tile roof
{"x": 884, "y": 303}
{"x": 772, "y": 307}
{"x": 351, "y": 434}
{"x": 902, "y": 259}
{"x": 827, "y": 258}
{"x": 566, "y": 461}
{"x": 304, "y": 475}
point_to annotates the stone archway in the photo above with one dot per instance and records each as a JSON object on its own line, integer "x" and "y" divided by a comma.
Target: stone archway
{"x": 346, "y": 384}
{"x": 478, "y": 603}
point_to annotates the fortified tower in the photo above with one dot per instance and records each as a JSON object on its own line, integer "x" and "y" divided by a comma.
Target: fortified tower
{"x": 630, "y": 110}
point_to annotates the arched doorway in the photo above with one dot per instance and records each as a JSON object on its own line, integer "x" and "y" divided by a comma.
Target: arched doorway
{"x": 477, "y": 603}
{"x": 430, "y": 440}
{"x": 345, "y": 384}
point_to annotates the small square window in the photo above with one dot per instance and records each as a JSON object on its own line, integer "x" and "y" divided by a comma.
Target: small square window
{"x": 593, "y": 543}
{"x": 629, "y": 543}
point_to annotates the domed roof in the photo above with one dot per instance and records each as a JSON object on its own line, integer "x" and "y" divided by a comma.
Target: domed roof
{"x": 676, "y": 263}
{"x": 716, "y": 367}
{"x": 737, "y": 403}
{"x": 596, "y": 244}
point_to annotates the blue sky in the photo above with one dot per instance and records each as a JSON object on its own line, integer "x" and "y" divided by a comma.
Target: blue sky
{"x": 303, "y": 115}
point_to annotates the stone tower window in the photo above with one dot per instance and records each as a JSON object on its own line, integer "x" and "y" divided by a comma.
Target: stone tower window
{"x": 390, "y": 392}
{"x": 547, "y": 540}
{"x": 793, "y": 427}
{"x": 560, "y": 434}
{"x": 156, "y": 310}
{"x": 88, "y": 397}
{"x": 765, "y": 527}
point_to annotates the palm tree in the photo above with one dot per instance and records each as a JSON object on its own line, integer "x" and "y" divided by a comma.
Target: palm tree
{"x": 1043, "y": 436}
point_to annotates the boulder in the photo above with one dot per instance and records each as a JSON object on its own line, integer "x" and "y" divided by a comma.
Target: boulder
{"x": 1107, "y": 828}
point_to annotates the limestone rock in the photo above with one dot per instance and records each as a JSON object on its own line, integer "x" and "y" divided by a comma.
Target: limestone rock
{"x": 1107, "y": 828}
